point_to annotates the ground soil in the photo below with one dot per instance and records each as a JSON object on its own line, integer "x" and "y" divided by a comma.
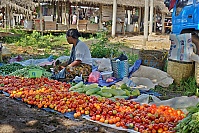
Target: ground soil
{"x": 18, "y": 117}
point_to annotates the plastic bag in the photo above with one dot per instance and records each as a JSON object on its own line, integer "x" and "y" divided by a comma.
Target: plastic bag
{"x": 60, "y": 75}
{"x": 155, "y": 75}
{"x": 94, "y": 77}
{"x": 104, "y": 64}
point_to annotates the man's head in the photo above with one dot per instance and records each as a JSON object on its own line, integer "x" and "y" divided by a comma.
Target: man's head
{"x": 72, "y": 35}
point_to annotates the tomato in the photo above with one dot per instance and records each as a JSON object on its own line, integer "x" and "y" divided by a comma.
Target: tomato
{"x": 137, "y": 119}
{"x": 117, "y": 124}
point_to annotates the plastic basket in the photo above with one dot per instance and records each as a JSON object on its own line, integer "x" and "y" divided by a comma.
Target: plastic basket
{"x": 120, "y": 69}
{"x": 35, "y": 73}
{"x": 153, "y": 58}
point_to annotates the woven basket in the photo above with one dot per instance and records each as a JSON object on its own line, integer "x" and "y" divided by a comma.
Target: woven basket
{"x": 153, "y": 58}
{"x": 180, "y": 70}
{"x": 120, "y": 68}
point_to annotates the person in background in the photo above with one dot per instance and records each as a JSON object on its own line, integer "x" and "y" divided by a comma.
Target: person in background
{"x": 80, "y": 62}
{"x": 74, "y": 19}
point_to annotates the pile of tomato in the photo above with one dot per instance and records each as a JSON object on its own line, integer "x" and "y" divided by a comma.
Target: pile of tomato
{"x": 43, "y": 92}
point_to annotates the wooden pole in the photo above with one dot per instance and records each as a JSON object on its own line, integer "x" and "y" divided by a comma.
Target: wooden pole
{"x": 114, "y": 17}
{"x": 6, "y": 23}
{"x": 139, "y": 19}
{"x": 3, "y": 17}
{"x": 41, "y": 19}
{"x": 151, "y": 17}
{"x": 163, "y": 20}
{"x": 61, "y": 11}
{"x": 58, "y": 12}
{"x": 100, "y": 16}
{"x": 146, "y": 14}
{"x": 129, "y": 16}
{"x": 155, "y": 25}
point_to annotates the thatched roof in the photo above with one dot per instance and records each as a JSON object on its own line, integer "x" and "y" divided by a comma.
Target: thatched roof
{"x": 131, "y": 3}
{"x": 29, "y": 4}
{"x": 25, "y": 6}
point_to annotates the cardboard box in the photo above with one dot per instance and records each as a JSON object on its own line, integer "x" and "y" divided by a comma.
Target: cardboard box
{"x": 92, "y": 27}
{"x": 73, "y": 26}
{"x": 50, "y": 25}
{"x": 61, "y": 27}
{"x": 82, "y": 27}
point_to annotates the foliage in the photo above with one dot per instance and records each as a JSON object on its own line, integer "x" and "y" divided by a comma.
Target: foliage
{"x": 132, "y": 58}
{"x": 103, "y": 48}
{"x": 187, "y": 87}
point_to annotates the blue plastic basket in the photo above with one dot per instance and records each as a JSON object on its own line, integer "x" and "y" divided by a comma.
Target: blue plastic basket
{"x": 120, "y": 68}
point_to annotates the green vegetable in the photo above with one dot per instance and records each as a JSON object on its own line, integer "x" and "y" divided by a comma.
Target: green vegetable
{"x": 115, "y": 92}
{"x": 87, "y": 87}
{"x": 78, "y": 85}
{"x": 9, "y": 68}
{"x": 92, "y": 91}
{"x": 25, "y": 71}
{"x": 104, "y": 94}
{"x": 189, "y": 124}
{"x": 135, "y": 92}
{"x": 80, "y": 90}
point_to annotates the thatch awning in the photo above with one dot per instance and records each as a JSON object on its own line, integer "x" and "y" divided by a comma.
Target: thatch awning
{"x": 29, "y": 4}
{"x": 131, "y": 3}
{"x": 25, "y": 6}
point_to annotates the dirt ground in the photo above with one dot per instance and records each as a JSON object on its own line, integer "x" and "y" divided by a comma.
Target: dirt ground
{"x": 18, "y": 117}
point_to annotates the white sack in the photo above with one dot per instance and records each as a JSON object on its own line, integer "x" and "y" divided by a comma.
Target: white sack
{"x": 155, "y": 75}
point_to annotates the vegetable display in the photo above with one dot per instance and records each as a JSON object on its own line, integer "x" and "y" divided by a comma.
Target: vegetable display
{"x": 190, "y": 124}
{"x": 9, "y": 68}
{"x": 43, "y": 92}
{"x": 107, "y": 92}
{"x": 24, "y": 72}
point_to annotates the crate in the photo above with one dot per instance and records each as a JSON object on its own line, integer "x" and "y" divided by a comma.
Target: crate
{"x": 92, "y": 27}
{"x": 37, "y": 24}
{"x": 61, "y": 27}
{"x": 35, "y": 73}
{"x": 82, "y": 27}
{"x": 73, "y": 26}
{"x": 50, "y": 25}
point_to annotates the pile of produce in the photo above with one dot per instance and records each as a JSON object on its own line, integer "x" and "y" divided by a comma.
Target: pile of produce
{"x": 191, "y": 123}
{"x": 43, "y": 92}
{"x": 25, "y": 71}
{"x": 112, "y": 92}
{"x": 9, "y": 68}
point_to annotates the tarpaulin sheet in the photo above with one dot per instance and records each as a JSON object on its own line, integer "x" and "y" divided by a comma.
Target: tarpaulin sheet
{"x": 110, "y": 125}
{"x": 69, "y": 115}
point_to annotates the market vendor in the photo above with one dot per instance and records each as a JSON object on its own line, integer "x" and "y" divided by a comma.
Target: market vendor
{"x": 80, "y": 62}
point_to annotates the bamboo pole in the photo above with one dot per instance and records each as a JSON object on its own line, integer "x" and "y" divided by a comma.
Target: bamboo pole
{"x": 114, "y": 17}
{"x": 129, "y": 16}
{"x": 163, "y": 20}
{"x": 100, "y": 16}
{"x": 139, "y": 19}
{"x": 41, "y": 19}
{"x": 151, "y": 17}
{"x": 146, "y": 13}
{"x": 155, "y": 25}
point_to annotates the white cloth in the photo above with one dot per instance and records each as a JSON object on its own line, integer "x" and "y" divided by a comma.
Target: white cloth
{"x": 82, "y": 53}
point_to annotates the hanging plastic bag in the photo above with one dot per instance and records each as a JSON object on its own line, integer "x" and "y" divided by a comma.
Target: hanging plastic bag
{"x": 94, "y": 77}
